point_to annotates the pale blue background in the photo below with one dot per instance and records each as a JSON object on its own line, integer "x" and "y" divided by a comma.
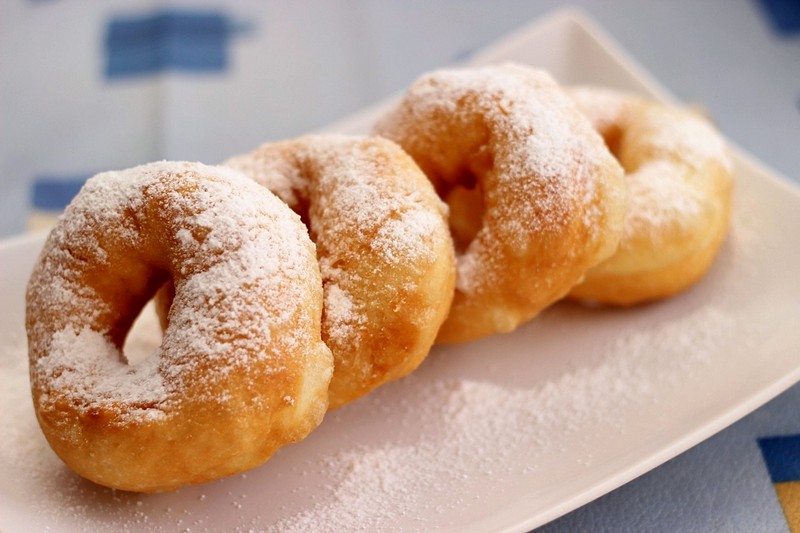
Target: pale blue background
{"x": 296, "y": 66}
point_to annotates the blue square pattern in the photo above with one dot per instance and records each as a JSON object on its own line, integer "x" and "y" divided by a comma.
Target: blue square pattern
{"x": 168, "y": 40}
{"x": 53, "y": 193}
{"x": 782, "y": 456}
{"x": 783, "y": 16}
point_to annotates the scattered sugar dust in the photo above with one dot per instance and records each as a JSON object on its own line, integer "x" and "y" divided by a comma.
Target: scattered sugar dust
{"x": 482, "y": 435}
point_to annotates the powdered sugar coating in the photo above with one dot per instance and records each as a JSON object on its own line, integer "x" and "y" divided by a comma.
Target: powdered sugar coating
{"x": 679, "y": 187}
{"x": 668, "y": 188}
{"x": 383, "y": 247}
{"x": 88, "y": 366}
{"x": 675, "y": 144}
{"x": 553, "y": 195}
{"x": 692, "y": 137}
{"x": 656, "y": 202}
{"x": 244, "y": 313}
{"x": 528, "y": 138}
{"x": 258, "y": 257}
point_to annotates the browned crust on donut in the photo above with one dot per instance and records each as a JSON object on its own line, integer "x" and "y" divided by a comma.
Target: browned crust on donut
{"x": 552, "y": 195}
{"x": 680, "y": 190}
{"x": 239, "y": 372}
{"x": 635, "y": 288}
{"x": 385, "y": 253}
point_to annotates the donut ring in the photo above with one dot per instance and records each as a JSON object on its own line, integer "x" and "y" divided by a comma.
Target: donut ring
{"x": 549, "y": 201}
{"x": 679, "y": 188}
{"x": 385, "y": 253}
{"x": 242, "y": 369}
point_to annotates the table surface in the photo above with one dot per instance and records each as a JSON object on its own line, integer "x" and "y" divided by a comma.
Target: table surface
{"x": 80, "y": 94}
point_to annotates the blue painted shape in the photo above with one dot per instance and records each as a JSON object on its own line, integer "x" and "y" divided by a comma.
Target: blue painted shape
{"x": 167, "y": 40}
{"x": 783, "y": 15}
{"x": 782, "y": 455}
{"x": 54, "y": 193}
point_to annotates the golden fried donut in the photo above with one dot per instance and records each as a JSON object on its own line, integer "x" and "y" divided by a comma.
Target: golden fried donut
{"x": 550, "y": 198}
{"x": 242, "y": 369}
{"x": 679, "y": 189}
{"x": 385, "y": 253}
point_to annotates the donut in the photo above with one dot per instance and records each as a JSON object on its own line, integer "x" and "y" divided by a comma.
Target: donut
{"x": 385, "y": 253}
{"x": 679, "y": 185}
{"x": 241, "y": 370}
{"x": 536, "y": 197}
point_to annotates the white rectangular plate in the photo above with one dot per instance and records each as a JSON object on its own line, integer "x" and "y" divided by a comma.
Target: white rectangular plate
{"x": 499, "y": 435}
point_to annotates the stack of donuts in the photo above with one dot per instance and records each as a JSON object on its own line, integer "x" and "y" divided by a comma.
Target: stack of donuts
{"x": 300, "y": 276}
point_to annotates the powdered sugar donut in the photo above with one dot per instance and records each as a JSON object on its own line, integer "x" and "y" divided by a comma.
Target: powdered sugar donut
{"x": 536, "y": 197}
{"x": 242, "y": 368}
{"x": 383, "y": 246}
{"x": 679, "y": 183}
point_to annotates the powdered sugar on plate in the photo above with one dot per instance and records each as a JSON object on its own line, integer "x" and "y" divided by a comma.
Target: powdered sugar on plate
{"x": 476, "y": 430}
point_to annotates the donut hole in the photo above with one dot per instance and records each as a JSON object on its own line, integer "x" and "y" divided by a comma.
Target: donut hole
{"x": 144, "y": 337}
{"x": 462, "y": 190}
{"x": 466, "y": 213}
{"x": 135, "y": 322}
{"x": 302, "y": 206}
{"x": 612, "y": 136}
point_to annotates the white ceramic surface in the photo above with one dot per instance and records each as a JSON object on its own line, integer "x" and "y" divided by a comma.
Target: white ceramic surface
{"x": 499, "y": 435}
